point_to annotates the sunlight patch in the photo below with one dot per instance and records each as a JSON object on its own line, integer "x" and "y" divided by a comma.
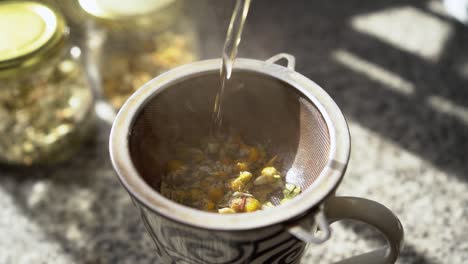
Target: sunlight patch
{"x": 406, "y": 28}
{"x": 443, "y": 105}
{"x": 373, "y": 72}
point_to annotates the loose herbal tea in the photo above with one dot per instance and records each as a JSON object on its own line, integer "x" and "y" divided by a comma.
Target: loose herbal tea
{"x": 127, "y": 70}
{"x": 44, "y": 115}
{"x": 46, "y": 103}
{"x": 226, "y": 175}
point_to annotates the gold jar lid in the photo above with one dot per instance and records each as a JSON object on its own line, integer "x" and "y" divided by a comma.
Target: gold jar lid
{"x": 129, "y": 16}
{"x": 29, "y": 32}
{"x": 111, "y": 9}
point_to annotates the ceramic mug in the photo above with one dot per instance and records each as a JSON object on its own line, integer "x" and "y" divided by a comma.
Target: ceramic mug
{"x": 277, "y": 235}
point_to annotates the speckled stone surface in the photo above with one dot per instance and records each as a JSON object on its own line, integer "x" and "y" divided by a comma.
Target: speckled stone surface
{"x": 397, "y": 68}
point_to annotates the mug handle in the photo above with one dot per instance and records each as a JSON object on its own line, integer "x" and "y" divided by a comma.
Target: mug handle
{"x": 367, "y": 211}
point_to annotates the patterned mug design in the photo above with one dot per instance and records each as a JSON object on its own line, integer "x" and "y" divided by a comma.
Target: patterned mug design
{"x": 178, "y": 243}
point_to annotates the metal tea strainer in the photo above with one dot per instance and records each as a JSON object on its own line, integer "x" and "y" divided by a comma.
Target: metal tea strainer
{"x": 265, "y": 103}
{"x": 260, "y": 108}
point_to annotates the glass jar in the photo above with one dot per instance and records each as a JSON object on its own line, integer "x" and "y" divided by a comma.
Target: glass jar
{"x": 132, "y": 42}
{"x": 46, "y": 104}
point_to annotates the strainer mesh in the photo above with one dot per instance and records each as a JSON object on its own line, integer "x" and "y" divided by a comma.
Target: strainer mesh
{"x": 258, "y": 107}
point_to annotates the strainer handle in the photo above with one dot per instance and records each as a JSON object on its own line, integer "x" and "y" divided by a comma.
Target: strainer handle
{"x": 372, "y": 213}
{"x": 288, "y": 57}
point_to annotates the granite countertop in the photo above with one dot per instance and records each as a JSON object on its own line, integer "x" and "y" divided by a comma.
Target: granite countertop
{"x": 399, "y": 71}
